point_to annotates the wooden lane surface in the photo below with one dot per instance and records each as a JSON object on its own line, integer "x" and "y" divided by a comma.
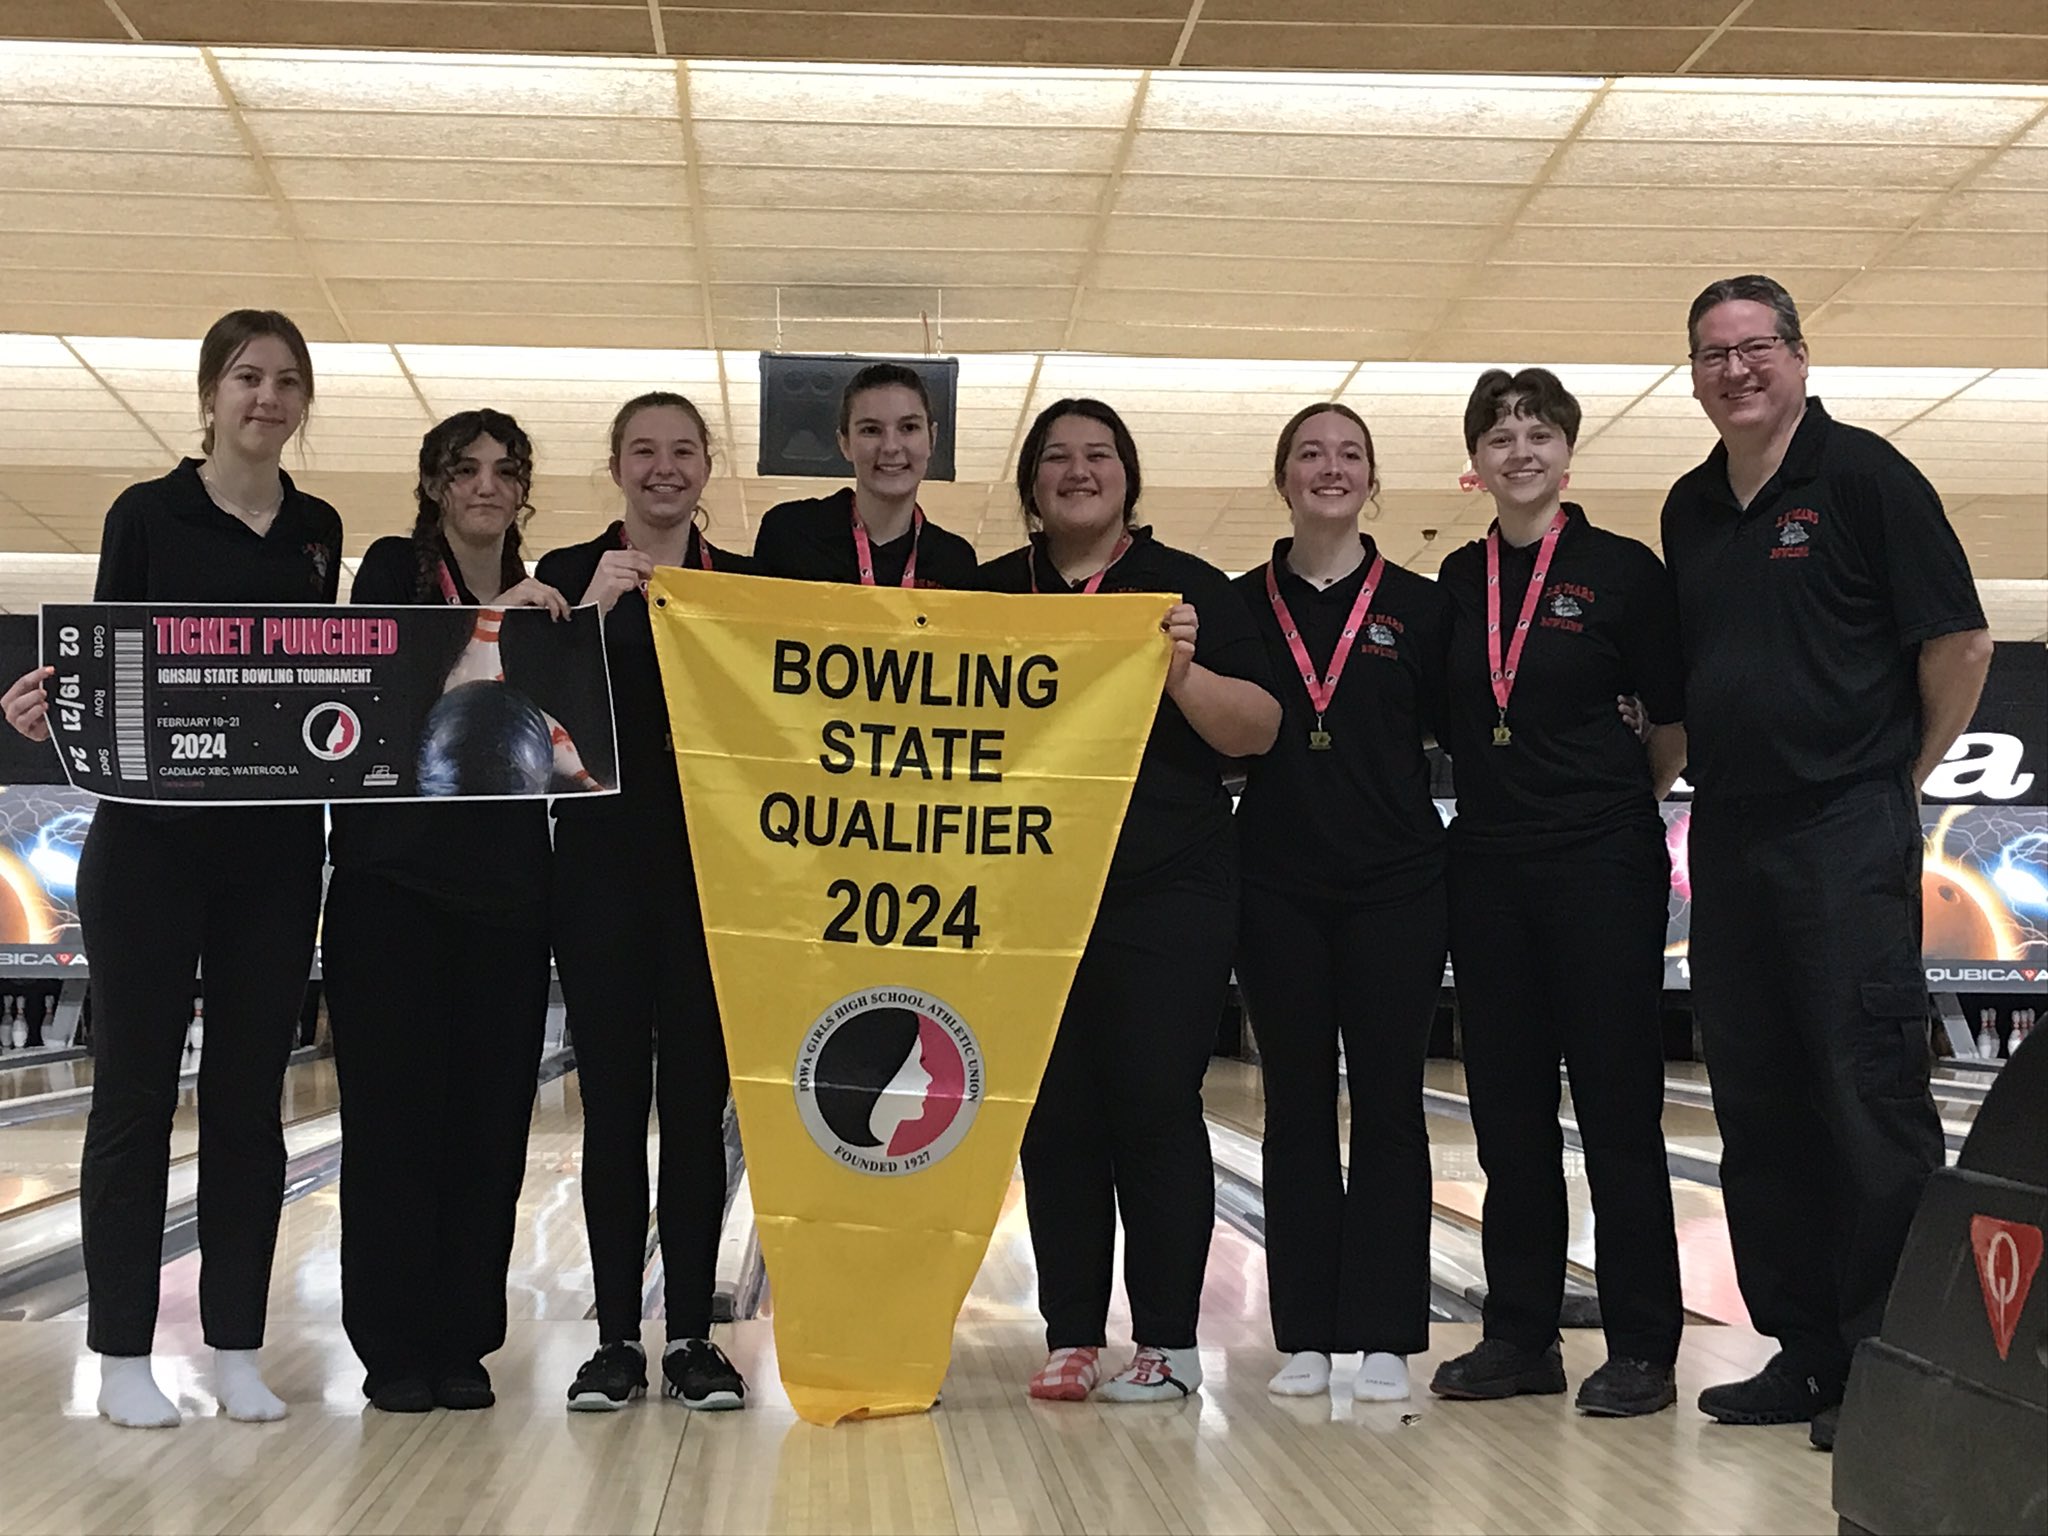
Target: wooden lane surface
{"x": 1706, "y": 1266}
{"x": 989, "y": 1460}
{"x": 39, "y": 1159}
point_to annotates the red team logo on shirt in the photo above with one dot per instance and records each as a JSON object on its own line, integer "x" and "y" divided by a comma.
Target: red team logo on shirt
{"x": 1795, "y": 534}
{"x": 1564, "y": 606}
{"x": 1381, "y": 636}
{"x": 888, "y": 1081}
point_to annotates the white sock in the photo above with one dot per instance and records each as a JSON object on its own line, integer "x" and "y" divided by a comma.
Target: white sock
{"x": 1381, "y": 1378}
{"x": 1306, "y": 1374}
{"x": 238, "y": 1383}
{"x": 129, "y": 1394}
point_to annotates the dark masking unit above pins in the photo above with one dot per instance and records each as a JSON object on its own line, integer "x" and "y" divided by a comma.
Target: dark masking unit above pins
{"x": 800, "y": 397}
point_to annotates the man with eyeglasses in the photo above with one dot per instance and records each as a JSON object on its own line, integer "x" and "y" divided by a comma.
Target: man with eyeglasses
{"x": 1834, "y": 649}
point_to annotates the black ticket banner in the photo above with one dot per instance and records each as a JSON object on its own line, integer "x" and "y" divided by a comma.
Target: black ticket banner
{"x": 260, "y": 705}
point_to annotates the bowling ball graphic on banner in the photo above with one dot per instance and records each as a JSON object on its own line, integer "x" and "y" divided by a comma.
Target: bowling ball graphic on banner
{"x": 888, "y": 1081}
{"x": 483, "y": 738}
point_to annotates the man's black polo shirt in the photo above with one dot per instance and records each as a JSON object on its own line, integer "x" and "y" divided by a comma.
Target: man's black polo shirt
{"x": 813, "y": 541}
{"x": 1355, "y": 821}
{"x": 1801, "y": 615}
{"x": 166, "y": 541}
{"x": 1604, "y": 626}
{"x": 1179, "y": 822}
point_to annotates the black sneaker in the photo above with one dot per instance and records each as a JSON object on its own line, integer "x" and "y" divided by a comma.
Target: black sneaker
{"x": 1500, "y": 1369}
{"x": 466, "y": 1386}
{"x": 1778, "y": 1394}
{"x": 1627, "y": 1389}
{"x": 403, "y": 1394}
{"x": 1825, "y": 1423}
{"x": 610, "y": 1379}
{"x": 697, "y": 1372}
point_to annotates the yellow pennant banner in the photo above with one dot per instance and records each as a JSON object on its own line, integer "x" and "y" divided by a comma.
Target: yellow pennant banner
{"x": 902, "y": 807}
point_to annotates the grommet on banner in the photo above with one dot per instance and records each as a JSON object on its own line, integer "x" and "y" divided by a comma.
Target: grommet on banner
{"x": 922, "y": 621}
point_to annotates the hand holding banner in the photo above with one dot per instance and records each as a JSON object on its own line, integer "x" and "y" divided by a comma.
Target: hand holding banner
{"x": 902, "y": 808}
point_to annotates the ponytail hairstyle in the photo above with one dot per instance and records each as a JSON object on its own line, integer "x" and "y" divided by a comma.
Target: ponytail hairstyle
{"x": 223, "y": 343}
{"x": 651, "y": 400}
{"x": 440, "y": 450}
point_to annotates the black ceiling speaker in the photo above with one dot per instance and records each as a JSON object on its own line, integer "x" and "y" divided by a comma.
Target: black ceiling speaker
{"x": 800, "y": 411}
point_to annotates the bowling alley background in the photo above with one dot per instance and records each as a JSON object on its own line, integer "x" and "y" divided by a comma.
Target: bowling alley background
{"x": 1984, "y": 887}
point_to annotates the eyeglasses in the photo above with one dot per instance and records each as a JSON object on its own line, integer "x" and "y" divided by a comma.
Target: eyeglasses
{"x": 1754, "y": 350}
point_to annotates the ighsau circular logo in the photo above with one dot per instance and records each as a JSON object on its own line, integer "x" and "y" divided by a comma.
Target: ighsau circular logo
{"x": 888, "y": 1080}
{"x": 331, "y": 731}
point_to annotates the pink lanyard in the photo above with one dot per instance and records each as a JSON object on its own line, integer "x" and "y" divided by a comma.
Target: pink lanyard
{"x": 448, "y": 593}
{"x": 1504, "y": 676}
{"x": 703, "y": 551}
{"x": 1093, "y": 583}
{"x": 864, "y": 555}
{"x": 1320, "y": 693}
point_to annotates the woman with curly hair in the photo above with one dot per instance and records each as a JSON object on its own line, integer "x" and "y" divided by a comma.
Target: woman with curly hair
{"x": 437, "y": 1059}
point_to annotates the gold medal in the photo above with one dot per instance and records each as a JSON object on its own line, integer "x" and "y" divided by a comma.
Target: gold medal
{"x": 1319, "y": 741}
{"x": 1502, "y": 736}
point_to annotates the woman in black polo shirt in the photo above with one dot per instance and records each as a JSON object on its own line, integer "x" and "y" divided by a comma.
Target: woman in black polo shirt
{"x": 629, "y": 944}
{"x": 164, "y": 890}
{"x": 1559, "y": 883}
{"x": 873, "y": 532}
{"x": 1118, "y": 1122}
{"x": 1343, "y": 928}
{"x": 437, "y": 1059}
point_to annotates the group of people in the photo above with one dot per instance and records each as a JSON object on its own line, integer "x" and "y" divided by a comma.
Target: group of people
{"x": 1807, "y": 651}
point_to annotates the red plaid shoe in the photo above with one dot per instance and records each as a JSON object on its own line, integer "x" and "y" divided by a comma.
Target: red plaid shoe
{"x": 1068, "y": 1375}
{"x": 1155, "y": 1376}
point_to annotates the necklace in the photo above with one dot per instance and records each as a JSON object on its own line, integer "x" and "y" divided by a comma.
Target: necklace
{"x": 228, "y": 503}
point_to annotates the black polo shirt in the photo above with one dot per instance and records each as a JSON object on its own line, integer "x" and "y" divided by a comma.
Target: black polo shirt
{"x": 1605, "y": 625}
{"x": 813, "y": 541}
{"x": 166, "y": 541}
{"x": 1355, "y": 822}
{"x": 485, "y": 858}
{"x": 647, "y": 763}
{"x": 1802, "y": 613}
{"x": 1178, "y": 824}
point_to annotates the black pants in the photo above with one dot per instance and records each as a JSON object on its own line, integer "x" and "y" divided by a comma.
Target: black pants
{"x": 1347, "y": 1264}
{"x": 1563, "y": 954}
{"x": 629, "y": 943}
{"x": 1813, "y": 1005}
{"x": 237, "y": 891}
{"x": 438, "y": 1017}
{"x": 1118, "y": 1122}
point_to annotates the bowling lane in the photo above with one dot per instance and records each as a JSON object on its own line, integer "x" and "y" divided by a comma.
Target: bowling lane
{"x": 39, "y": 1158}
{"x": 1234, "y": 1095}
{"x": 32, "y": 1078}
{"x": 550, "y": 1276}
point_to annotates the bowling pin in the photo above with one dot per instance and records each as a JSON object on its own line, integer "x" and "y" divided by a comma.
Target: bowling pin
{"x": 1987, "y": 1034}
{"x": 480, "y": 661}
{"x": 20, "y": 1023}
{"x": 195, "y": 1032}
{"x": 568, "y": 761}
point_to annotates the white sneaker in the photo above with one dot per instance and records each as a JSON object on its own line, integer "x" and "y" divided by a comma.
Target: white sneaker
{"x": 1306, "y": 1374}
{"x": 1155, "y": 1376}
